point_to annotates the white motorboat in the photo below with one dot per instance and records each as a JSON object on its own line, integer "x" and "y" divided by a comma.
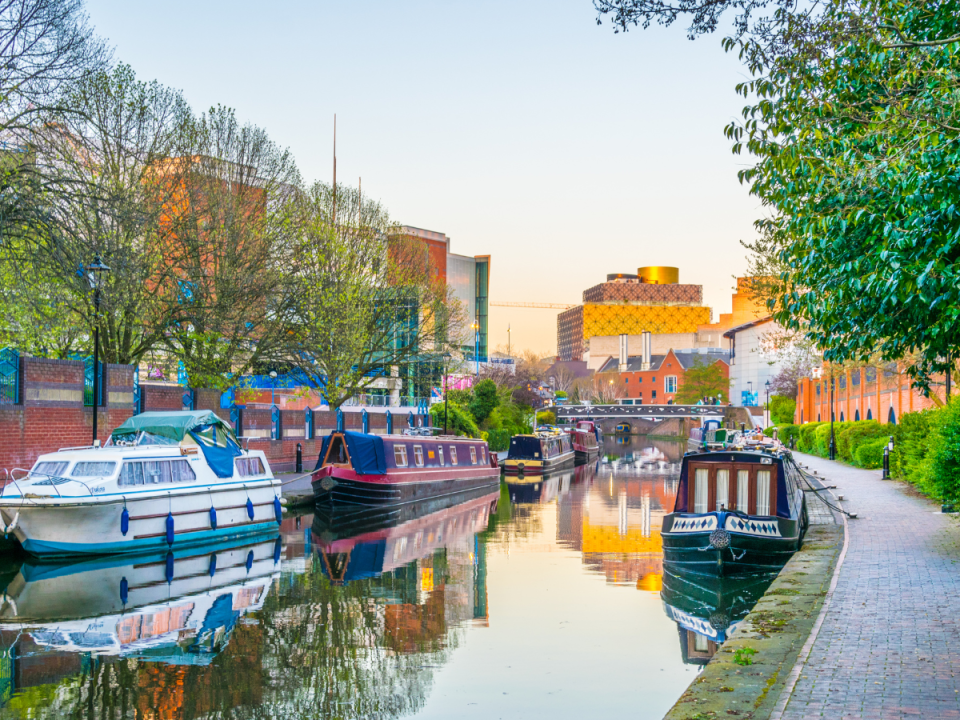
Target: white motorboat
{"x": 163, "y": 480}
{"x": 178, "y": 610}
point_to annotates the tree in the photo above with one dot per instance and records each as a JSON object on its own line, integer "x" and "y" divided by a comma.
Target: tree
{"x": 363, "y": 299}
{"x": 485, "y": 400}
{"x": 702, "y": 380}
{"x": 606, "y": 388}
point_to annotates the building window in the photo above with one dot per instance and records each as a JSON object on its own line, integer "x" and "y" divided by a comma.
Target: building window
{"x": 626, "y": 380}
{"x": 653, "y": 395}
{"x": 400, "y": 455}
{"x": 670, "y": 383}
{"x": 640, "y": 379}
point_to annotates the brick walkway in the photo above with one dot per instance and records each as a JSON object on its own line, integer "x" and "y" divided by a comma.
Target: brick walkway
{"x": 889, "y": 646}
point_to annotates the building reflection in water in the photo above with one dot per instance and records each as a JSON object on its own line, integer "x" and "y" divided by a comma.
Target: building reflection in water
{"x": 342, "y": 617}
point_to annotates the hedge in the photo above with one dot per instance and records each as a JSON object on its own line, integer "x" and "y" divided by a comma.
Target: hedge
{"x": 869, "y": 454}
{"x": 851, "y": 438}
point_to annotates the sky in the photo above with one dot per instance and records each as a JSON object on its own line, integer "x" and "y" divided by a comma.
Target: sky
{"x": 521, "y": 130}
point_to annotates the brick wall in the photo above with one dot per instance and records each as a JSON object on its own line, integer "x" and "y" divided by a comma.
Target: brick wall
{"x": 162, "y": 396}
{"x": 51, "y": 414}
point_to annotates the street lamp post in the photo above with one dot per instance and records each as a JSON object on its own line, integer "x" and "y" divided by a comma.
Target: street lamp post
{"x": 446, "y": 402}
{"x": 273, "y": 387}
{"x": 94, "y": 277}
{"x": 833, "y": 439}
{"x": 476, "y": 345}
{"x": 767, "y": 420}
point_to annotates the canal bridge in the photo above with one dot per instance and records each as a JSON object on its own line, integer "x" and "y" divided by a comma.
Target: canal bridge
{"x": 640, "y": 419}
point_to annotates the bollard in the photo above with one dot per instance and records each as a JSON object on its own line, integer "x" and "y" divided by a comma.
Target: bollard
{"x": 886, "y": 463}
{"x": 299, "y": 458}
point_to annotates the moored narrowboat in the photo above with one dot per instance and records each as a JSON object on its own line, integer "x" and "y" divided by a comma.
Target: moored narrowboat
{"x": 540, "y": 452}
{"x": 366, "y": 469}
{"x": 737, "y": 511}
{"x": 585, "y": 439}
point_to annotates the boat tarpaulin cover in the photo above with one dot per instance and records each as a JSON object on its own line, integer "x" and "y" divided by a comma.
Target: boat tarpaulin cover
{"x": 219, "y": 452}
{"x": 366, "y": 453}
{"x": 324, "y": 446}
{"x": 174, "y": 425}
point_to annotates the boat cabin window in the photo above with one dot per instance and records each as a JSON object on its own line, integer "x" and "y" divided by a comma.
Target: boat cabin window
{"x": 400, "y": 455}
{"x": 743, "y": 487}
{"x": 453, "y": 455}
{"x": 483, "y": 455}
{"x": 45, "y": 469}
{"x": 418, "y": 455}
{"x": 337, "y": 453}
{"x": 249, "y": 466}
{"x": 473, "y": 455}
{"x": 440, "y": 454}
{"x": 93, "y": 469}
{"x": 150, "y": 472}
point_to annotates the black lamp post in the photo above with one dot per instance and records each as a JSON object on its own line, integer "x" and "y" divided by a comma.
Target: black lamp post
{"x": 767, "y": 385}
{"x": 446, "y": 403}
{"x": 94, "y": 273}
{"x": 833, "y": 439}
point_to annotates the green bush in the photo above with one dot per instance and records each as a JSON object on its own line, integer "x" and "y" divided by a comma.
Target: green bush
{"x": 547, "y": 417}
{"x": 499, "y": 439}
{"x": 945, "y": 465}
{"x": 485, "y": 400}
{"x": 782, "y": 410}
{"x": 869, "y": 453}
{"x": 807, "y": 431}
{"x": 787, "y": 433}
{"x": 460, "y": 423}
{"x": 859, "y": 432}
{"x": 822, "y": 437}
{"x": 915, "y": 439}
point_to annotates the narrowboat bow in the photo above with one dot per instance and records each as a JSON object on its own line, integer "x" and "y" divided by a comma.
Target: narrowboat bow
{"x": 544, "y": 451}
{"x": 586, "y": 440}
{"x": 737, "y": 511}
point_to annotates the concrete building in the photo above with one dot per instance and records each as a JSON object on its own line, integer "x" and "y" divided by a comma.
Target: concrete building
{"x": 753, "y": 360}
{"x": 468, "y": 277}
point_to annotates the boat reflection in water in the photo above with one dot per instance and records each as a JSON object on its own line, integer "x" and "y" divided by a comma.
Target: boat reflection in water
{"x": 549, "y": 486}
{"x": 172, "y": 608}
{"x": 708, "y": 609}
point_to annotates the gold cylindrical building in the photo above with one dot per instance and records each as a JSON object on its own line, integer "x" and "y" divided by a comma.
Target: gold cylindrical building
{"x": 659, "y": 275}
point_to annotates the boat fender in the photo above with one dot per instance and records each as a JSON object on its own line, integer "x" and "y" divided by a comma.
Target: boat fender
{"x": 278, "y": 509}
{"x": 277, "y": 548}
{"x": 124, "y": 522}
{"x": 249, "y": 561}
{"x": 124, "y": 590}
{"x": 168, "y": 567}
{"x": 213, "y": 565}
{"x": 169, "y": 528}
{"x": 13, "y": 524}
{"x": 213, "y": 518}
{"x": 249, "y": 508}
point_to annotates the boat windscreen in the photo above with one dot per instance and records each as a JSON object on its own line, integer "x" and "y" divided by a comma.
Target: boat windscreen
{"x": 525, "y": 448}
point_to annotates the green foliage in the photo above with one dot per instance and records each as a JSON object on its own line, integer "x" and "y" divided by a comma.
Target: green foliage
{"x": 485, "y": 399}
{"x": 945, "y": 466}
{"x": 702, "y": 380}
{"x": 782, "y": 409}
{"x": 499, "y": 439}
{"x": 461, "y": 422}
{"x": 859, "y": 433}
{"x": 785, "y": 433}
{"x": 807, "y": 441}
{"x": 561, "y": 394}
{"x": 546, "y": 417}
{"x": 822, "y": 437}
{"x": 915, "y": 439}
{"x": 869, "y": 453}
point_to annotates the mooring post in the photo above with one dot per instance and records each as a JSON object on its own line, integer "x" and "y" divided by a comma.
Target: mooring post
{"x": 299, "y": 458}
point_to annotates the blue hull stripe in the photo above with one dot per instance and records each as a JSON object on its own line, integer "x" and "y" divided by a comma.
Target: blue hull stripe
{"x": 39, "y": 547}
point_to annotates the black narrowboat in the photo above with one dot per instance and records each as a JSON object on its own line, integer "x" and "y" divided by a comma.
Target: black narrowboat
{"x": 737, "y": 511}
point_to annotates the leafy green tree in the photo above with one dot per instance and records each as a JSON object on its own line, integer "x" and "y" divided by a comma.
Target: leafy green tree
{"x": 702, "y": 380}
{"x": 485, "y": 400}
{"x": 782, "y": 409}
{"x": 458, "y": 422}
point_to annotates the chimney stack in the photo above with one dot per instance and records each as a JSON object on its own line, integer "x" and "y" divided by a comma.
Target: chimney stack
{"x": 624, "y": 356}
{"x": 646, "y": 344}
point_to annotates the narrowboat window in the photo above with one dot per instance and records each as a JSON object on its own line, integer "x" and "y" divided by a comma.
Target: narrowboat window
{"x": 483, "y": 455}
{"x": 743, "y": 491}
{"x": 400, "y": 455}
{"x": 249, "y": 466}
{"x": 473, "y": 455}
{"x": 763, "y": 492}
{"x": 43, "y": 469}
{"x": 418, "y": 455}
{"x": 440, "y": 454}
{"x": 93, "y": 469}
{"x": 702, "y": 477}
{"x": 723, "y": 489}
{"x": 150, "y": 472}
{"x": 453, "y": 454}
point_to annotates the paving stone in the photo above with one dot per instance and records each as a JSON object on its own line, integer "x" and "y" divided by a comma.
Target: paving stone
{"x": 889, "y": 646}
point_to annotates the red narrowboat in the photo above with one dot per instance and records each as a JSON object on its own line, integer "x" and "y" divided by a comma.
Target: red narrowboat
{"x": 365, "y": 469}
{"x": 585, "y": 439}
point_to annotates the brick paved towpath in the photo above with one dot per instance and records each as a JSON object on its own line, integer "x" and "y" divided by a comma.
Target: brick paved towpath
{"x": 889, "y": 646}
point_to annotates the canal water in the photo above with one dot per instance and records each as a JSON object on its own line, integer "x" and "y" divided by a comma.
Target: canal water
{"x": 544, "y": 599}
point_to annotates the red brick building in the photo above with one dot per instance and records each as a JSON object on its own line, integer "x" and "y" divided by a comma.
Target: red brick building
{"x": 658, "y": 384}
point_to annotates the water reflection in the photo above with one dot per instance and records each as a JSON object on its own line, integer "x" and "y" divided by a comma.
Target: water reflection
{"x": 707, "y": 609}
{"x": 504, "y": 604}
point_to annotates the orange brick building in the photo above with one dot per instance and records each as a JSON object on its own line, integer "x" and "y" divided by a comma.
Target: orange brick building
{"x": 863, "y": 393}
{"x": 658, "y": 385}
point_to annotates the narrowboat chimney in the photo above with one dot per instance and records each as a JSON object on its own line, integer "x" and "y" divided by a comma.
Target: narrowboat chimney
{"x": 624, "y": 355}
{"x": 646, "y": 343}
